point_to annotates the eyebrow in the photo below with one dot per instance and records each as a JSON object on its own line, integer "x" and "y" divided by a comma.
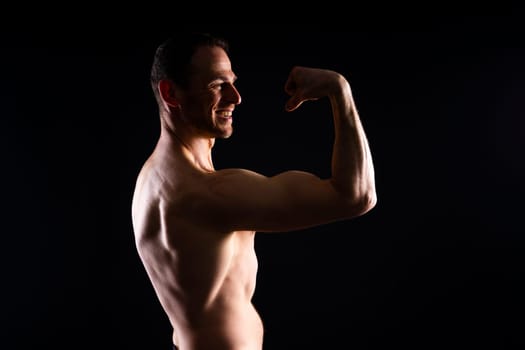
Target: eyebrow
{"x": 227, "y": 77}
{"x": 224, "y": 78}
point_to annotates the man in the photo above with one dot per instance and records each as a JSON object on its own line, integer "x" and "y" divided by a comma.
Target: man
{"x": 195, "y": 225}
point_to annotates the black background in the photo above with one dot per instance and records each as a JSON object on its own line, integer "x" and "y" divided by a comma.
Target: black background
{"x": 437, "y": 264}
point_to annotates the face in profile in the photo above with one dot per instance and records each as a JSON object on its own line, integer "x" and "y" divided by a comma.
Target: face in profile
{"x": 211, "y": 97}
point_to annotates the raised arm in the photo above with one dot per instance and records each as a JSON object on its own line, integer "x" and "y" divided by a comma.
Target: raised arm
{"x": 241, "y": 199}
{"x": 352, "y": 167}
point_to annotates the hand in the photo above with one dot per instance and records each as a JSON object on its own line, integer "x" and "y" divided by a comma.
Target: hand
{"x": 305, "y": 84}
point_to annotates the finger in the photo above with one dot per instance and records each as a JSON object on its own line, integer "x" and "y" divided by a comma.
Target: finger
{"x": 293, "y": 103}
{"x": 290, "y": 87}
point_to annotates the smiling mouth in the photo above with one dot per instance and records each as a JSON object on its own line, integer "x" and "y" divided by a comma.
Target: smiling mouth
{"x": 224, "y": 115}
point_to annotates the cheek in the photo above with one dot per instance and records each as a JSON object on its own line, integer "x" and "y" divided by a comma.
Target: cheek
{"x": 214, "y": 99}
{"x": 204, "y": 104}
{"x": 211, "y": 103}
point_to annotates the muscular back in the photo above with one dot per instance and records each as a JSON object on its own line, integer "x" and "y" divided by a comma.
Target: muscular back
{"x": 203, "y": 276}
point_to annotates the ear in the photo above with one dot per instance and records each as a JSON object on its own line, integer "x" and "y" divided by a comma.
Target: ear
{"x": 167, "y": 91}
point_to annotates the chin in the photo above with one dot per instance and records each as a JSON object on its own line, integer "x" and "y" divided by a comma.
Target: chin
{"x": 225, "y": 134}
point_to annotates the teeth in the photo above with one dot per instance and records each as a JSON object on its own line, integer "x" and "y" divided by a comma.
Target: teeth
{"x": 225, "y": 114}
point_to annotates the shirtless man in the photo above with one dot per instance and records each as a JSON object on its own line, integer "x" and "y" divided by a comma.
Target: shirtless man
{"x": 195, "y": 226}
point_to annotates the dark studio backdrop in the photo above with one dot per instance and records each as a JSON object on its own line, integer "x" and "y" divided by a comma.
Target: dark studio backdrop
{"x": 437, "y": 264}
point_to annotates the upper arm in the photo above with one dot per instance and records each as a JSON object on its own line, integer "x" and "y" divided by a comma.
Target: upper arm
{"x": 244, "y": 200}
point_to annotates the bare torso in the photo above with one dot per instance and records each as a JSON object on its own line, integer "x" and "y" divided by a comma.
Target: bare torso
{"x": 204, "y": 277}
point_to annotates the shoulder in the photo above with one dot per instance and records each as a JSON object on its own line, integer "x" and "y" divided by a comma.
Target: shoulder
{"x": 233, "y": 178}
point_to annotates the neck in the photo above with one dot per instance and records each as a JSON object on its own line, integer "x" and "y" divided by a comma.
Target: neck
{"x": 196, "y": 149}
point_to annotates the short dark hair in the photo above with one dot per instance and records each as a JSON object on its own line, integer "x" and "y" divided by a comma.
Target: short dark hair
{"x": 172, "y": 57}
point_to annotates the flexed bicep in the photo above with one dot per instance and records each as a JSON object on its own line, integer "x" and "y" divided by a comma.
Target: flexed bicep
{"x": 244, "y": 200}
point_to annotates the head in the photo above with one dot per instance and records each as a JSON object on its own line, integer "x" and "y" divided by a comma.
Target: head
{"x": 193, "y": 83}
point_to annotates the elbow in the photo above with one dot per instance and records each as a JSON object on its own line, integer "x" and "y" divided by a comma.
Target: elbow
{"x": 357, "y": 200}
{"x": 367, "y": 202}
{"x": 360, "y": 203}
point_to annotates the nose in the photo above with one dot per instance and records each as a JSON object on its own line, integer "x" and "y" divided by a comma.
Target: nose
{"x": 232, "y": 94}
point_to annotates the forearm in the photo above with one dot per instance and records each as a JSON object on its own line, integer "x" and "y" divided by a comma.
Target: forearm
{"x": 352, "y": 166}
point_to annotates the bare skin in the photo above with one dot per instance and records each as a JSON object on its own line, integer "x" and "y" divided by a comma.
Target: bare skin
{"x": 195, "y": 226}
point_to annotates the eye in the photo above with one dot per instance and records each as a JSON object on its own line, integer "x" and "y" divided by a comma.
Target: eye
{"x": 216, "y": 85}
{"x": 220, "y": 85}
{"x": 227, "y": 86}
